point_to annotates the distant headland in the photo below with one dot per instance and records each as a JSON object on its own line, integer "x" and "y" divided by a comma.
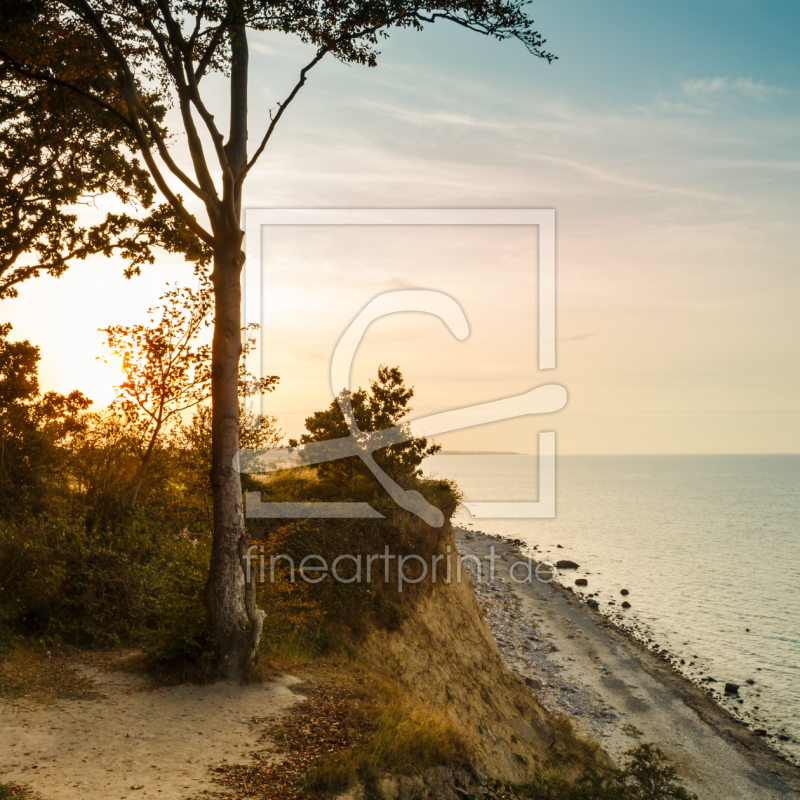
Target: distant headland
{"x": 479, "y": 453}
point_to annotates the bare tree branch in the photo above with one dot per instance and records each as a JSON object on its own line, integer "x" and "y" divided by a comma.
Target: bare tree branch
{"x": 282, "y": 107}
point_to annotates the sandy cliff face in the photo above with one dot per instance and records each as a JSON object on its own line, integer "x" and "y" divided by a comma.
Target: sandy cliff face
{"x": 446, "y": 656}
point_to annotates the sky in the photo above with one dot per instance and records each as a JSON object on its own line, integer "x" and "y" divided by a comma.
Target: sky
{"x": 667, "y": 139}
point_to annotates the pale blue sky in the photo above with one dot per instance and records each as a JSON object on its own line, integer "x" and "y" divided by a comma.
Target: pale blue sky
{"x": 667, "y": 138}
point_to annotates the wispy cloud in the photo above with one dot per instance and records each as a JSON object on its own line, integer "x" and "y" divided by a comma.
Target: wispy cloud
{"x": 725, "y": 84}
{"x": 434, "y": 116}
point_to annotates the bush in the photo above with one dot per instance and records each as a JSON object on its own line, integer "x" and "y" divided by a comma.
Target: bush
{"x": 647, "y": 776}
{"x": 329, "y": 614}
{"x": 66, "y": 581}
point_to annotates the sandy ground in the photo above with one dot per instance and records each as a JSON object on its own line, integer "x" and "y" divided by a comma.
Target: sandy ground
{"x": 616, "y": 691}
{"x": 134, "y": 740}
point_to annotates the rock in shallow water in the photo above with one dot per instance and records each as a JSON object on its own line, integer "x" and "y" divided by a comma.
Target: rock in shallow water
{"x": 731, "y": 688}
{"x": 581, "y": 582}
{"x": 566, "y": 564}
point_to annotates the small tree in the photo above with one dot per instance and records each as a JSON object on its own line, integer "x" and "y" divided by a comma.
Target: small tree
{"x": 105, "y": 456}
{"x": 385, "y": 405}
{"x": 167, "y": 373}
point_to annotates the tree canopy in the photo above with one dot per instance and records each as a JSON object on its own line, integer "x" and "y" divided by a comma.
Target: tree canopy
{"x": 131, "y": 60}
{"x": 63, "y": 152}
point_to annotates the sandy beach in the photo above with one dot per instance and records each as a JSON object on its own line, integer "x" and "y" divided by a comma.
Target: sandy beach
{"x": 613, "y": 689}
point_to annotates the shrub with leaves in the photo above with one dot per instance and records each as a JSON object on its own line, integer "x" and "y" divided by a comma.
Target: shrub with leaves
{"x": 648, "y": 775}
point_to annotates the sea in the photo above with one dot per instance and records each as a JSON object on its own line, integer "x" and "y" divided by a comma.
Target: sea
{"x": 708, "y": 547}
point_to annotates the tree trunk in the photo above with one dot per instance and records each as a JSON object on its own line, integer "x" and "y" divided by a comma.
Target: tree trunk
{"x": 236, "y": 621}
{"x": 231, "y": 599}
{"x": 145, "y": 463}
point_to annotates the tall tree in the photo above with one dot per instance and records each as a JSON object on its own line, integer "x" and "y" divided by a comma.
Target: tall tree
{"x": 143, "y": 54}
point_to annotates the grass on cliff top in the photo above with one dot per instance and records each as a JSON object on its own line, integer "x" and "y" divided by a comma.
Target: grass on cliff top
{"x": 398, "y": 735}
{"x": 355, "y": 726}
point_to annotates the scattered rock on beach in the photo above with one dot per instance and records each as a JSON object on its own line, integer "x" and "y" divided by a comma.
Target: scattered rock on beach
{"x": 731, "y": 688}
{"x": 626, "y": 604}
{"x": 624, "y": 592}
{"x": 593, "y": 604}
{"x": 581, "y": 582}
{"x": 566, "y": 564}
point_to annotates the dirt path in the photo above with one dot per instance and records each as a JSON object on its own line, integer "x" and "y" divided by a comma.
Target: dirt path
{"x": 133, "y": 739}
{"x": 716, "y": 757}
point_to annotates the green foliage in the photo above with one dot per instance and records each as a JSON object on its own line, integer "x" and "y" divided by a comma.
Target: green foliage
{"x": 85, "y": 567}
{"x": 346, "y": 610}
{"x": 178, "y": 635}
{"x": 64, "y": 581}
{"x": 384, "y": 406}
{"x": 9, "y": 640}
{"x": 78, "y": 563}
{"x": 647, "y": 776}
{"x": 61, "y": 149}
{"x": 335, "y": 612}
{"x": 35, "y": 429}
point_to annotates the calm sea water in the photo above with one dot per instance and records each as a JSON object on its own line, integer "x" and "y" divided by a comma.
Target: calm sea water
{"x": 708, "y": 546}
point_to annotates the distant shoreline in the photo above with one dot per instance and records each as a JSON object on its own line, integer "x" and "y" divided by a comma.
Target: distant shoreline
{"x": 480, "y": 453}
{"x": 609, "y": 455}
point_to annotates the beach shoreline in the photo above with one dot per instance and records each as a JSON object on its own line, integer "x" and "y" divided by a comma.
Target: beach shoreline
{"x": 613, "y": 688}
